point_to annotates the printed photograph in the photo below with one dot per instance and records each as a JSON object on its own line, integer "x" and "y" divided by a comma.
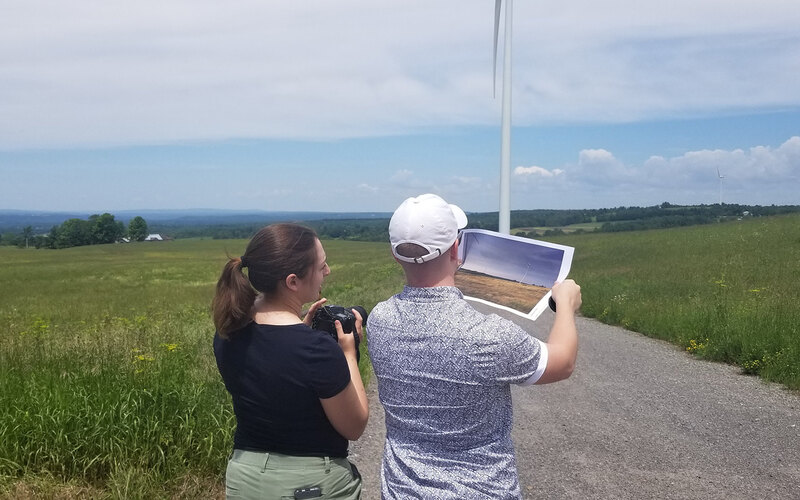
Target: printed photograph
{"x": 510, "y": 272}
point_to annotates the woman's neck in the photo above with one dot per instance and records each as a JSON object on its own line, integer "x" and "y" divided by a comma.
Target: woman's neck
{"x": 276, "y": 311}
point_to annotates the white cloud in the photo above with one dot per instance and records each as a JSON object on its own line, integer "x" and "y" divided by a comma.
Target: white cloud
{"x": 534, "y": 171}
{"x": 91, "y": 72}
{"x": 751, "y": 177}
{"x": 596, "y": 157}
{"x": 760, "y": 164}
{"x": 599, "y": 168}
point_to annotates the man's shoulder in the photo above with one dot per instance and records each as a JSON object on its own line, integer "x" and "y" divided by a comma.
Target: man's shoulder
{"x": 382, "y": 307}
{"x": 415, "y": 300}
{"x": 453, "y": 302}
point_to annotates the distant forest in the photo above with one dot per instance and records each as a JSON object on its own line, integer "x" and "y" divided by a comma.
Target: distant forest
{"x": 374, "y": 227}
{"x": 546, "y": 222}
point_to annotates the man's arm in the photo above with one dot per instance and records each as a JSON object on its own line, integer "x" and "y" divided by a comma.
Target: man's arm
{"x": 562, "y": 344}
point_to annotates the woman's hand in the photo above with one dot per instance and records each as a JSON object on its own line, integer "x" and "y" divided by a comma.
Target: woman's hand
{"x": 309, "y": 317}
{"x": 346, "y": 340}
{"x": 359, "y": 323}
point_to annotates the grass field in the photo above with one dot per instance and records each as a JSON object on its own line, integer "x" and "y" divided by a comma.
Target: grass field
{"x": 571, "y": 228}
{"x": 108, "y": 386}
{"x": 725, "y": 292}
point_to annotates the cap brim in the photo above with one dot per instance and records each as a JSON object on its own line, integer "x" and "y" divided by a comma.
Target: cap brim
{"x": 461, "y": 217}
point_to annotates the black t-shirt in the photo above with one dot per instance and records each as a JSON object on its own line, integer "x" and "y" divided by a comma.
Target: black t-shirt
{"x": 276, "y": 376}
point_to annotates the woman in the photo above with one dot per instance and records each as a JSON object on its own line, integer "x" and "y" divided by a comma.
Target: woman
{"x": 297, "y": 394}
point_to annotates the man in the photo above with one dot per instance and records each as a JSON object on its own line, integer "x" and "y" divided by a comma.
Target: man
{"x": 444, "y": 370}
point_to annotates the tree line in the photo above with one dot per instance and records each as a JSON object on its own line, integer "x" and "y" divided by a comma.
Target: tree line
{"x": 630, "y": 218}
{"x": 97, "y": 229}
{"x": 344, "y": 229}
{"x": 606, "y": 220}
{"x": 105, "y": 229}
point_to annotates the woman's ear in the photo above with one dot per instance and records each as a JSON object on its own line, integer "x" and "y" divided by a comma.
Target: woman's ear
{"x": 291, "y": 282}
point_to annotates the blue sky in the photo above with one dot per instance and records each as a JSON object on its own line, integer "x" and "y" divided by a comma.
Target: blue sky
{"x": 355, "y": 105}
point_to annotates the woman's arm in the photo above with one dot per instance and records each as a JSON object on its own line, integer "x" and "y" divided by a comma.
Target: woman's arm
{"x": 348, "y": 411}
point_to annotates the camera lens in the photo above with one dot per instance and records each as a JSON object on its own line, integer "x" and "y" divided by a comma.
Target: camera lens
{"x": 363, "y": 313}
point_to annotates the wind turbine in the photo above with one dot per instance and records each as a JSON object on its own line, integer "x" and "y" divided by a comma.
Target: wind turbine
{"x": 720, "y": 185}
{"x": 504, "y": 225}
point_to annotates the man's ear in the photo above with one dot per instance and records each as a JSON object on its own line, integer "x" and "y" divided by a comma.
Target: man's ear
{"x": 453, "y": 252}
{"x": 291, "y": 282}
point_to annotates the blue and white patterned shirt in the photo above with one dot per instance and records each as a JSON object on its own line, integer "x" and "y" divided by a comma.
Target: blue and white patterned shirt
{"x": 444, "y": 372}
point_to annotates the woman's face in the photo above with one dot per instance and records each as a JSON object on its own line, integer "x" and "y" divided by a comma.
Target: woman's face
{"x": 311, "y": 284}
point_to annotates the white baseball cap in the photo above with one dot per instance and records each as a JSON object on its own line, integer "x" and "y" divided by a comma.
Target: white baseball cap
{"x": 427, "y": 221}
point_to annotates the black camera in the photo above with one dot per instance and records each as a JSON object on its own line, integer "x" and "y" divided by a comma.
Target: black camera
{"x": 325, "y": 317}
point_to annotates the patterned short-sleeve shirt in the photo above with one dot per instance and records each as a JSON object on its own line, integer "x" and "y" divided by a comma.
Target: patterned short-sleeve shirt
{"x": 444, "y": 372}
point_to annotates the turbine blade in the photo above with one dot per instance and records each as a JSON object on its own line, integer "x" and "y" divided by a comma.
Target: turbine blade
{"x": 497, "y": 4}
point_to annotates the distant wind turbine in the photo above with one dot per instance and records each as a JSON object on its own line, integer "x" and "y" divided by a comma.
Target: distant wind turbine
{"x": 721, "y": 177}
{"x": 504, "y": 225}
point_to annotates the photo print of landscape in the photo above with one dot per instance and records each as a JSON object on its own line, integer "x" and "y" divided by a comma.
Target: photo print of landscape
{"x": 510, "y": 271}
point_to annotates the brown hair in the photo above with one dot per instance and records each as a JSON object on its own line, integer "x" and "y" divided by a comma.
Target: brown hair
{"x": 274, "y": 253}
{"x": 411, "y": 250}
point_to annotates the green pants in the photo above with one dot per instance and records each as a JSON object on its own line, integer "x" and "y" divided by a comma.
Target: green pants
{"x": 259, "y": 475}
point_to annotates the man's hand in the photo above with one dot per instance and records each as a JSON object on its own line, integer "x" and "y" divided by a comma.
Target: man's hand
{"x": 567, "y": 295}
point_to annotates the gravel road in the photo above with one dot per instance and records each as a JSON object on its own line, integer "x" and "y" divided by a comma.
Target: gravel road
{"x": 639, "y": 419}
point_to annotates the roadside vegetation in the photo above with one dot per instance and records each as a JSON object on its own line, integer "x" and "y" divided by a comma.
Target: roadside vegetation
{"x": 725, "y": 292}
{"x": 109, "y": 389}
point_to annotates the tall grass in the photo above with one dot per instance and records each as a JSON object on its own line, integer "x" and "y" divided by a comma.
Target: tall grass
{"x": 726, "y": 292}
{"x": 108, "y": 385}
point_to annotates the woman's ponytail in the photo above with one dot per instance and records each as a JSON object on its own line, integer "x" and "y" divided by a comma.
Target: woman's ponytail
{"x": 274, "y": 252}
{"x": 233, "y": 302}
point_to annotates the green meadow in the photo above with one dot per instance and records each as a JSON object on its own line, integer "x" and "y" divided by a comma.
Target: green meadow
{"x": 725, "y": 292}
{"x": 108, "y": 386}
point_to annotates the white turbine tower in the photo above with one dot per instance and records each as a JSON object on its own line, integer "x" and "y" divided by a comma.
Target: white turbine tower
{"x": 505, "y": 147}
{"x": 721, "y": 177}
